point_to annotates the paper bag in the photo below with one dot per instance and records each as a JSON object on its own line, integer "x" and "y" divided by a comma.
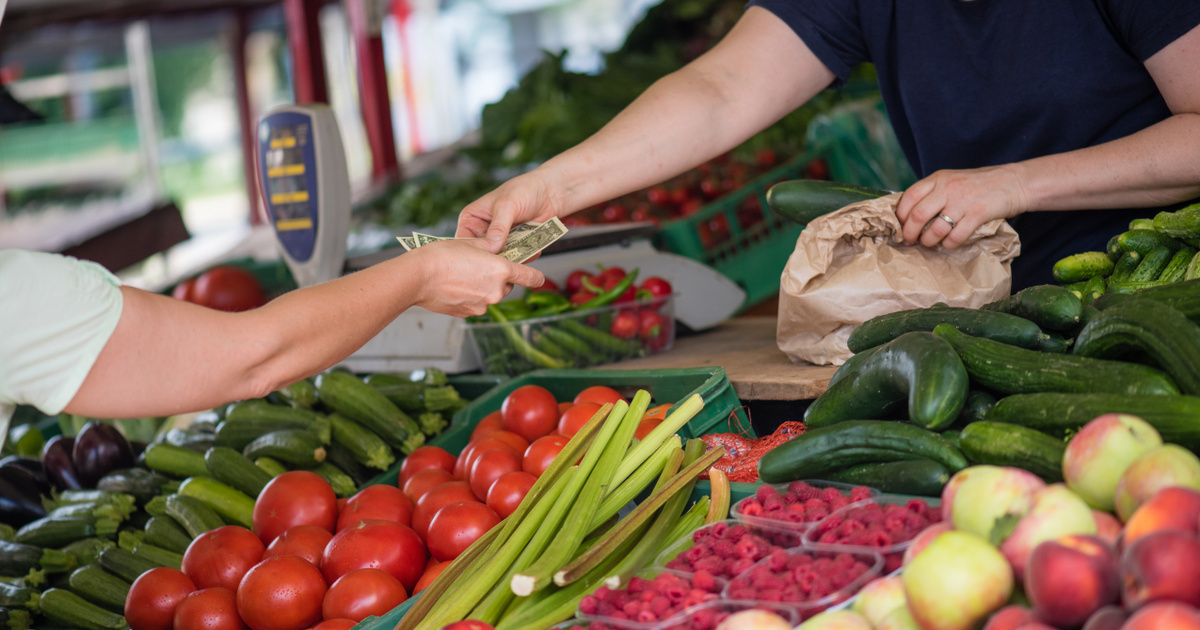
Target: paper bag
{"x": 852, "y": 264}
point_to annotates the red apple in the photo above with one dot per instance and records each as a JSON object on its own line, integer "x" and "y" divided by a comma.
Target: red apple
{"x": 1070, "y": 578}
{"x": 1056, "y": 511}
{"x": 1010, "y": 617}
{"x": 923, "y": 539}
{"x": 879, "y": 598}
{"x": 1164, "y": 616}
{"x": 992, "y": 496}
{"x": 1102, "y": 450}
{"x": 1107, "y": 618}
{"x": 1158, "y": 468}
{"x": 1162, "y": 566}
{"x": 1108, "y": 528}
{"x": 1169, "y": 508}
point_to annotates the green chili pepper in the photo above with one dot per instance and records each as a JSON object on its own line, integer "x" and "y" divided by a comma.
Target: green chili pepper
{"x": 605, "y": 298}
{"x": 514, "y": 310}
{"x": 546, "y": 303}
{"x": 523, "y": 347}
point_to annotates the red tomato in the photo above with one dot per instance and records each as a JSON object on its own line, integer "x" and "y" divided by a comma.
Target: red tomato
{"x": 212, "y": 608}
{"x": 469, "y": 624}
{"x": 541, "y": 454}
{"x": 151, "y": 602}
{"x": 508, "y": 491}
{"x": 615, "y": 213}
{"x": 380, "y": 501}
{"x": 609, "y": 277}
{"x": 341, "y": 503}
{"x": 645, "y": 427}
{"x": 424, "y": 481}
{"x": 361, "y": 593}
{"x": 657, "y": 286}
{"x": 598, "y": 394}
{"x": 486, "y": 443}
{"x": 306, "y": 541}
{"x": 651, "y": 324}
{"x": 514, "y": 441}
{"x": 221, "y": 557}
{"x": 530, "y": 411}
{"x": 490, "y": 422}
{"x": 624, "y": 325}
{"x": 426, "y": 457}
{"x": 489, "y": 466}
{"x": 575, "y": 280}
{"x": 548, "y": 285}
{"x": 183, "y": 290}
{"x": 578, "y": 415}
{"x": 433, "y": 501}
{"x": 336, "y": 624}
{"x": 457, "y": 525}
{"x": 432, "y": 571}
{"x": 581, "y": 297}
{"x": 297, "y": 497}
{"x": 563, "y": 407}
{"x": 376, "y": 544}
{"x": 282, "y": 593}
{"x": 228, "y": 288}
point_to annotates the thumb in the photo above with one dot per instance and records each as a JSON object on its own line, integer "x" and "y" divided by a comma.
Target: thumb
{"x": 526, "y": 276}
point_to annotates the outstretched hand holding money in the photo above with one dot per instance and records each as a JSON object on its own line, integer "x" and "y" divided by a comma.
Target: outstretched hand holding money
{"x": 523, "y": 243}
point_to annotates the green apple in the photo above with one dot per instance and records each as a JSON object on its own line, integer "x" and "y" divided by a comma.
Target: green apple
{"x": 879, "y": 598}
{"x": 1158, "y": 468}
{"x": 989, "y": 502}
{"x": 1098, "y": 455}
{"x": 1056, "y": 512}
{"x": 844, "y": 619}
{"x": 956, "y": 582}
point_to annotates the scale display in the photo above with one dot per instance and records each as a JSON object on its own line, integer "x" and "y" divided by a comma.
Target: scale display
{"x": 289, "y": 176}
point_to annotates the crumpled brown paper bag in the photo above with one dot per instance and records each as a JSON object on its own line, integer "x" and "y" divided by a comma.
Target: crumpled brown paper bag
{"x": 852, "y": 264}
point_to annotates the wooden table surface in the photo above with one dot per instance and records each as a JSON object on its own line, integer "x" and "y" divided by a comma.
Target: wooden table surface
{"x": 746, "y": 348}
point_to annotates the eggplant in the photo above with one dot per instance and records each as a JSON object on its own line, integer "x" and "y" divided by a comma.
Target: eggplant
{"x": 56, "y": 460}
{"x": 20, "y": 501}
{"x": 31, "y": 465}
{"x": 99, "y": 449}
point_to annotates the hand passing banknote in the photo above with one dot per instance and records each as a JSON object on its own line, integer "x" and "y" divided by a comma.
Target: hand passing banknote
{"x": 524, "y": 241}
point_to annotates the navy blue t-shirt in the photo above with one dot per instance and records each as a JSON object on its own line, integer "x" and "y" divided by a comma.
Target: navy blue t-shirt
{"x": 973, "y": 83}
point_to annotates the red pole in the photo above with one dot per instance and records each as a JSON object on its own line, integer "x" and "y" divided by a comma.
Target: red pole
{"x": 366, "y": 22}
{"x": 245, "y": 116}
{"x": 304, "y": 40}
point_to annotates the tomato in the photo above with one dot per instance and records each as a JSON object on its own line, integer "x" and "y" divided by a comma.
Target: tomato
{"x": 657, "y": 286}
{"x": 645, "y": 427}
{"x": 281, "y": 593}
{"x": 151, "y": 602}
{"x": 490, "y": 422}
{"x": 376, "y": 544}
{"x": 575, "y": 280}
{"x": 514, "y": 441}
{"x": 541, "y": 454}
{"x": 609, "y": 277}
{"x": 488, "y": 467}
{"x": 530, "y": 411}
{"x": 578, "y": 415}
{"x": 306, "y": 541}
{"x": 508, "y": 491}
{"x": 361, "y": 593}
{"x": 341, "y": 503}
{"x": 183, "y": 290}
{"x": 424, "y": 481}
{"x": 228, "y": 288}
{"x": 486, "y": 443}
{"x": 598, "y": 394}
{"x": 433, "y": 501}
{"x": 563, "y": 407}
{"x": 380, "y": 501}
{"x": 336, "y": 624}
{"x": 469, "y": 624}
{"x": 297, "y": 497}
{"x": 432, "y": 571}
{"x": 581, "y": 297}
{"x": 221, "y": 557}
{"x": 624, "y": 325}
{"x": 457, "y": 525}
{"x": 426, "y": 457}
{"x": 213, "y": 608}
{"x": 547, "y": 285}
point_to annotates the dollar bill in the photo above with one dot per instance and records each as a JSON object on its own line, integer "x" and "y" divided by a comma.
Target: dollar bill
{"x": 407, "y": 242}
{"x": 425, "y": 239}
{"x": 532, "y": 241}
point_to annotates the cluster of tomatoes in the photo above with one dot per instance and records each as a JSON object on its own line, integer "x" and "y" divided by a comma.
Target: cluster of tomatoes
{"x": 646, "y": 323}
{"x": 224, "y": 287}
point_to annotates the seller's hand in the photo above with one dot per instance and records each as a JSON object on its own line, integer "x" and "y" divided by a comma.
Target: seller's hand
{"x": 461, "y": 278}
{"x": 948, "y": 206}
{"x": 522, "y": 199}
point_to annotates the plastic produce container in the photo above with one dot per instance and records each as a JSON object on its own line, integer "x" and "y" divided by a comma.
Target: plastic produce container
{"x": 799, "y": 519}
{"x": 880, "y": 535}
{"x": 834, "y": 576}
{"x": 701, "y": 549}
{"x": 603, "y": 604}
{"x": 574, "y": 339}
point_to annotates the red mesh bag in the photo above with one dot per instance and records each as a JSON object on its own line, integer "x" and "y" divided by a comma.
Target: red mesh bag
{"x": 742, "y": 453}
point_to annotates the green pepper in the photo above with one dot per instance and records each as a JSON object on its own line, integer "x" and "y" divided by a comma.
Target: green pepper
{"x": 547, "y": 303}
{"x": 605, "y": 298}
{"x": 514, "y": 310}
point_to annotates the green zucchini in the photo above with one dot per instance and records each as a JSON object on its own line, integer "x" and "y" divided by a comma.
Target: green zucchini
{"x": 86, "y": 550}
{"x": 1008, "y": 369}
{"x": 802, "y": 200}
{"x": 231, "y": 504}
{"x": 1006, "y": 444}
{"x": 1183, "y": 223}
{"x": 266, "y": 418}
{"x": 364, "y": 404}
{"x": 100, "y": 587}
{"x": 141, "y": 483}
{"x": 917, "y": 367}
{"x": 158, "y": 555}
{"x": 342, "y": 484}
{"x": 13, "y": 596}
{"x": 17, "y": 559}
{"x": 991, "y": 324}
{"x": 1050, "y": 307}
{"x": 16, "y": 618}
{"x": 403, "y": 393}
{"x": 976, "y": 406}
{"x": 164, "y": 532}
{"x": 272, "y": 467}
{"x": 1146, "y": 328}
{"x": 158, "y": 505}
{"x": 819, "y": 451}
{"x": 1061, "y": 414}
{"x": 1145, "y": 241}
{"x": 367, "y": 447}
{"x": 193, "y": 514}
{"x": 1152, "y": 265}
{"x": 302, "y": 394}
{"x": 61, "y": 606}
{"x": 175, "y": 461}
{"x": 125, "y": 564}
{"x": 56, "y": 532}
{"x": 1176, "y": 269}
{"x": 1082, "y": 266}
{"x": 231, "y": 467}
{"x": 917, "y": 477}
{"x": 340, "y": 456}
{"x": 299, "y": 448}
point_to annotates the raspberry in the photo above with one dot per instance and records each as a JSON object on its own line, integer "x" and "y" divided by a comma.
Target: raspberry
{"x": 843, "y": 561}
{"x": 828, "y": 538}
{"x": 814, "y": 503}
{"x": 742, "y": 593}
{"x": 619, "y": 615}
{"x": 829, "y": 494}
{"x": 860, "y": 493}
{"x": 805, "y": 578}
{"x": 644, "y": 597}
{"x": 773, "y": 506}
{"x": 646, "y": 616}
{"x": 692, "y": 555}
{"x": 892, "y": 561}
{"x": 799, "y": 560}
{"x": 792, "y": 594}
{"x": 917, "y": 506}
{"x": 881, "y": 540}
{"x": 705, "y": 581}
{"x": 751, "y": 507}
{"x": 798, "y": 488}
{"x": 716, "y": 530}
{"x": 793, "y": 517}
{"x": 838, "y": 502}
{"x": 706, "y": 618}
{"x": 631, "y": 609}
{"x": 636, "y": 585}
{"x": 813, "y": 515}
{"x": 711, "y": 564}
{"x": 603, "y": 593}
{"x": 821, "y": 587}
{"x": 735, "y": 532}
{"x": 675, "y": 592}
{"x": 725, "y": 549}
{"x": 770, "y": 595}
{"x": 588, "y": 605}
{"x": 605, "y": 609}
{"x": 765, "y": 492}
{"x": 738, "y": 566}
{"x": 777, "y": 560}
{"x": 768, "y": 580}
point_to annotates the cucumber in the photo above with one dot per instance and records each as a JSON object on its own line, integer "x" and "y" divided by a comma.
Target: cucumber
{"x": 1193, "y": 268}
{"x": 802, "y": 200}
{"x": 364, "y": 404}
{"x": 231, "y": 504}
{"x": 1146, "y": 328}
{"x": 1082, "y": 266}
{"x": 164, "y": 532}
{"x": 917, "y": 477}
{"x": 1093, "y": 289}
{"x": 193, "y": 514}
{"x": 991, "y": 324}
{"x": 1140, "y": 224}
{"x": 175, "y": 461}
{"x": 1050, "y": 307}
{"x": 234, "y": 469}
{"x": 1183, "y": 223}
{"x": 852, "y": 365}
{"x": 124, "y": 564}
{"x": 1056, "y": 343}
{"x": 819, "y": 451}
{"x": 1134, "y": 287}
{"x": 1113, "y": 248}
{"x": 1145, "y": 241}
{"x": 72, "y": 611}
{"x": 917, "y": 367}
{"x": 1152, "y": 265}
{"x": 367, "y": 447}
{"x": 1005, "y": 444}
{"x": 1008, "y": 369}
{"x": 1126, "y": 265}
{"x": 976, "y": 407}
{"x": 1174, "y": 417}
{"x": 1177, "y": 268}
{"x": 299, "y": 448}
{"x": 100, "y": 587}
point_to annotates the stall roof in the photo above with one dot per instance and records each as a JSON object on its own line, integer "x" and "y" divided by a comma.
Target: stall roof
{"x": 25, "y": 15}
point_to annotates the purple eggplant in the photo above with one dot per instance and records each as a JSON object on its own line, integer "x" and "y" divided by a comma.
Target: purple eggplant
{"x": 56, "y": 459}
{"x": 99, "y": 449}
{"x": 20, "y": 501}
{"x": 32, "y": 466}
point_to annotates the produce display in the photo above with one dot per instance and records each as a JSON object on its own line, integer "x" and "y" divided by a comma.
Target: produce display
{"x": 596, "y": 318}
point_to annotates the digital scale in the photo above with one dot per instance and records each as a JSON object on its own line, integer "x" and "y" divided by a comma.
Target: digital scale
{"x": 305, "y": 186}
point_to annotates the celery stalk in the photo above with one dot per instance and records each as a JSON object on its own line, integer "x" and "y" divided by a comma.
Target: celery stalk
{"x": 566, "y": 541}
{"x": 691, "y": 520}
{"x": 719, "y": 508}
{"x": 674, "y": 421}
{"x": 635, "y": 483}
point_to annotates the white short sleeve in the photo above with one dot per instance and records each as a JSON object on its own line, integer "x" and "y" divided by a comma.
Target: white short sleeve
{"x": 56, "y": 314}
